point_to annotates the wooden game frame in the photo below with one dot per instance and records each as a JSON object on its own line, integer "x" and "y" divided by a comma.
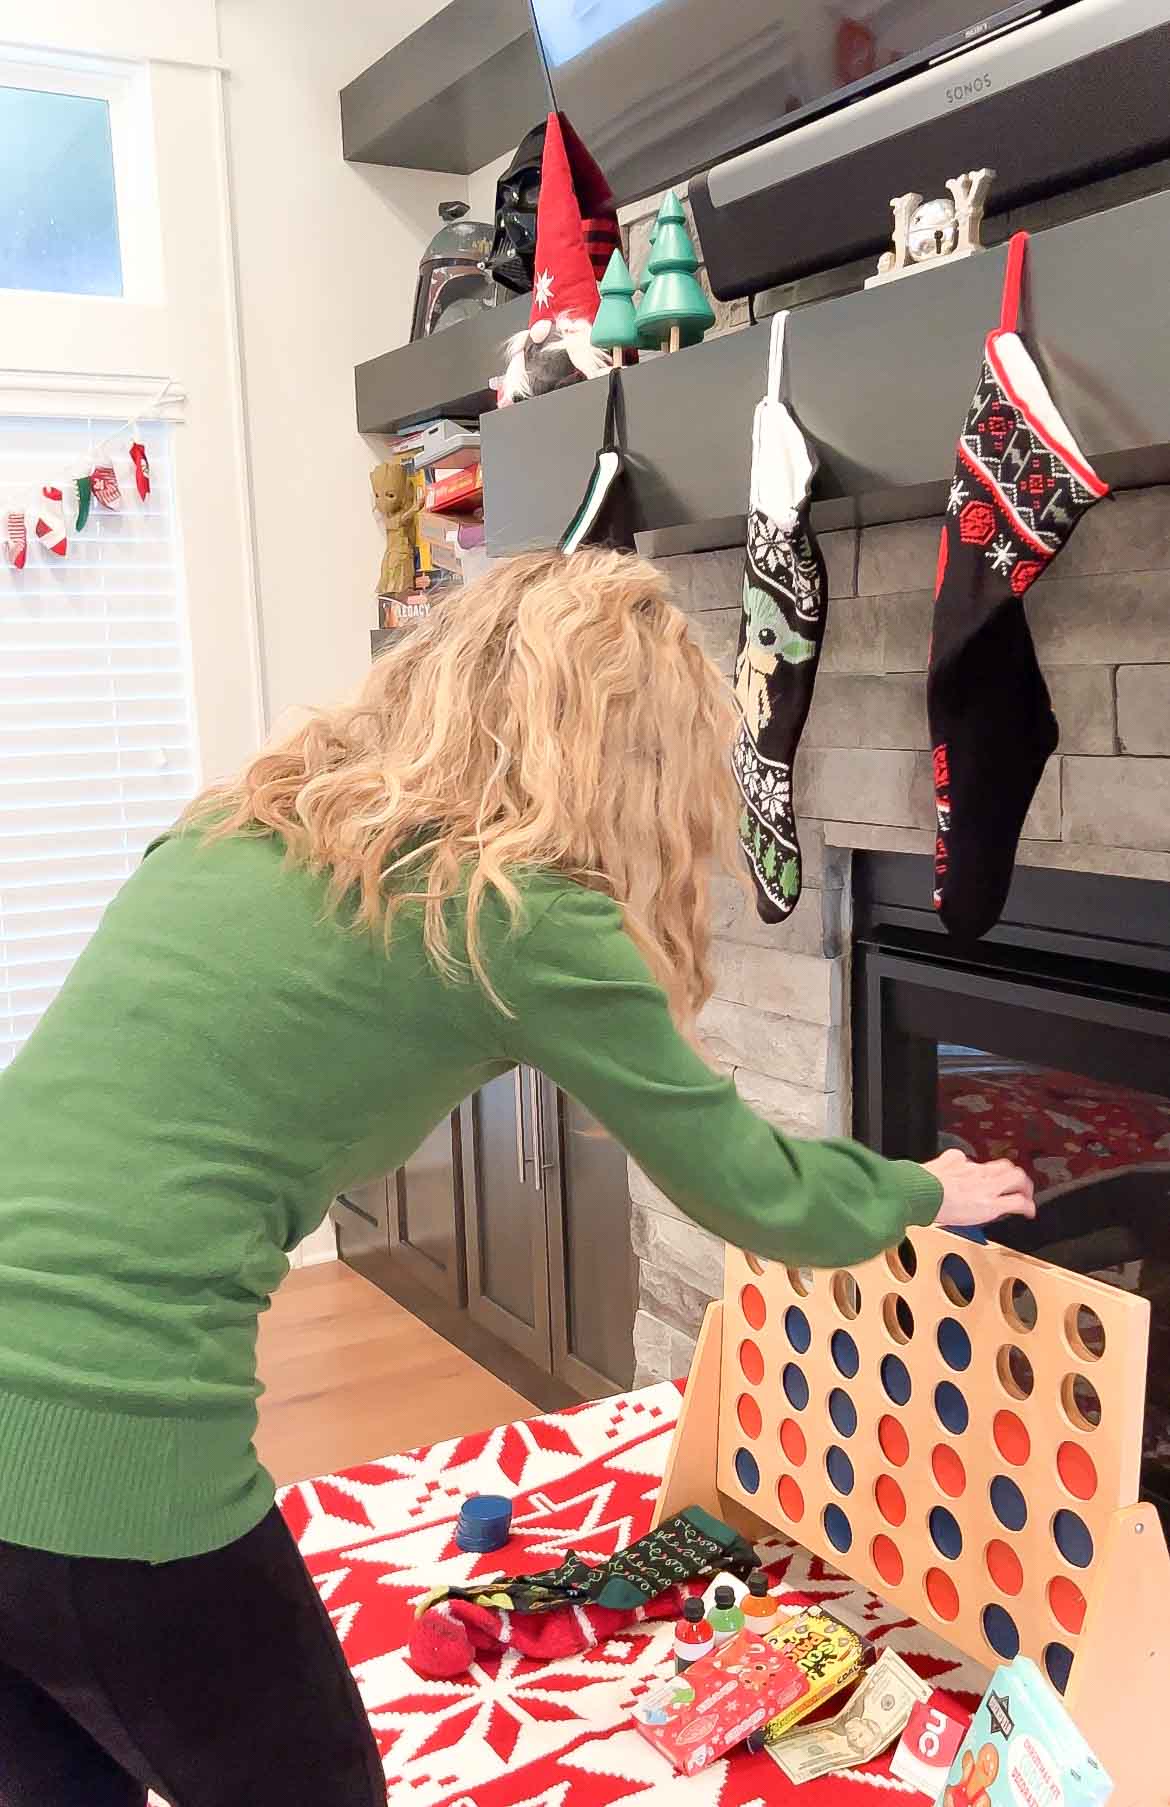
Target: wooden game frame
{"x": 1119, "y": 1683}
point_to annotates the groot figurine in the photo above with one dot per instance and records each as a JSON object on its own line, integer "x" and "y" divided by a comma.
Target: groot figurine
{"x": 395, "y": 503}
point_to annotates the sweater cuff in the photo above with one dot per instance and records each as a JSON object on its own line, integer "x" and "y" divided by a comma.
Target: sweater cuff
{"x": 921, "y": 1193}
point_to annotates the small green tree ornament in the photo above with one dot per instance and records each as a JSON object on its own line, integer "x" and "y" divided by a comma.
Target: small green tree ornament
{"x": 616, "y": 327}
{"x": 673, "y": 310}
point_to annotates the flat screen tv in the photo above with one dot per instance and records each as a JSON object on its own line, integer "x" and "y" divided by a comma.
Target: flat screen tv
{"x": 660, "y": 89}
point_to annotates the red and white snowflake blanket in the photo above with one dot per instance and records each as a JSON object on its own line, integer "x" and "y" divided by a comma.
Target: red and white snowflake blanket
{"x": 518, "y": 1733}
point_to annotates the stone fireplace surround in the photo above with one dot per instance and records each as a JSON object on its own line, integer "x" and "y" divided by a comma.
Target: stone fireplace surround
{"x": 779, "y": 1020}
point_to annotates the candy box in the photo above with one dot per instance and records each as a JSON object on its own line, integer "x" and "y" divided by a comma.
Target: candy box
{"x": 935, "y": 1730}
{"x": 722, "y": 1699}
{"x": 1023, "y": 1750}
{"x": 828, "y": 1655}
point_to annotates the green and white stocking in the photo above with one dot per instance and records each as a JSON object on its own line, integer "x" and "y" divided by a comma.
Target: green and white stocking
{"x": 780, "y": 634}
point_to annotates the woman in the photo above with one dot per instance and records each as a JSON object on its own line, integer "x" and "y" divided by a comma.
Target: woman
{"x": 499, "y": 853}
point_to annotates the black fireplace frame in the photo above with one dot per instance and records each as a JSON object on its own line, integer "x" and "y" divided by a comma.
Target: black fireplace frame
{"x": 1089, "y": 952}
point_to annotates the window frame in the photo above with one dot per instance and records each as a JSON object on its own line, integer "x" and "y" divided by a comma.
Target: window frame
{"x": 125, "y": 88}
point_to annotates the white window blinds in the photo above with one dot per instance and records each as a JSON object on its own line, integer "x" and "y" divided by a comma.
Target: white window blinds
{"x": 96, "y": 737}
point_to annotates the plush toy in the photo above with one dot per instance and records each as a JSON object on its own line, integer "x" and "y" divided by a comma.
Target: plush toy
{"x": 396, "y": 505}
{"x": 576, "y": 234}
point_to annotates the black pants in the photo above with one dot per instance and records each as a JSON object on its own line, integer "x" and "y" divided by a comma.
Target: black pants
{"x": 217, "y": 1681}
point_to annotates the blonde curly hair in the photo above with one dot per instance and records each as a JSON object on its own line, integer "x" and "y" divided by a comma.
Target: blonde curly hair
{"x": 556, "y": 714}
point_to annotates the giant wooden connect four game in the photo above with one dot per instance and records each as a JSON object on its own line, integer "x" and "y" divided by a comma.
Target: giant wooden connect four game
{"x": 958, "y": 1428}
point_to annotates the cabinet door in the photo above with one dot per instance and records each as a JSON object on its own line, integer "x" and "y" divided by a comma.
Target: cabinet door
{"x": 504, "y": 1210}
{"x": 426, "y": 1214}
{"x": 592, "y": 1273}
{"x": 362, "y": 1221}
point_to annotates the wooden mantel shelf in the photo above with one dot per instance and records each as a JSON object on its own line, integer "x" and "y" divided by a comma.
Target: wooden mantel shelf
{"x": 880, "y": 380}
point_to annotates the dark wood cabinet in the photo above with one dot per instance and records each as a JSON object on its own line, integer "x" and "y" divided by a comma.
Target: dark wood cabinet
{"x": 509, "y": 1232}
{"x": 361, "y": 1217}
{"x": 504, "y": 1191}
{"x": 426, "y": 1215}
{"x": 592, "y": 1272}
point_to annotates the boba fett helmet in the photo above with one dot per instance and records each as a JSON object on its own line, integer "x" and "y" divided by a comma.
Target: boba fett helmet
{"x": 454, "y": 281}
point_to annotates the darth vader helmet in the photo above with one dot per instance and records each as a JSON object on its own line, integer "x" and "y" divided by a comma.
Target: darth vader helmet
{"x": 454, "y": 281}
{"x": 517, "y": 193}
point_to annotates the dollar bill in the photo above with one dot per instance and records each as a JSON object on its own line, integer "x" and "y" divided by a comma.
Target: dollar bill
{"x": 876, "y": 1713}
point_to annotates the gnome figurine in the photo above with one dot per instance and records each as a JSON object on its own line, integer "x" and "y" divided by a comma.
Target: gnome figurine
{"x": 576, "y": 233}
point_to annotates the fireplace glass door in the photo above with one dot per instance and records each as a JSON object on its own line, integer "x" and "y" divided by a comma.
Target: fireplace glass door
{"x": 1059, "y": 1064}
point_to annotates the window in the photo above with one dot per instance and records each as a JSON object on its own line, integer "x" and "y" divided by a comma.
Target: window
{"x": 97, "y": 748}
{"x": 78, "y": 212}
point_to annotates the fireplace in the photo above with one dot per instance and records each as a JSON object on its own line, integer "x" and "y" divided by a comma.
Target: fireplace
{"x": 1049, "y": 1043}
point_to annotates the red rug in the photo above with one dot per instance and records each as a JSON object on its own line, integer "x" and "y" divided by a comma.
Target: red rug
{"x": 522, "y": 1734}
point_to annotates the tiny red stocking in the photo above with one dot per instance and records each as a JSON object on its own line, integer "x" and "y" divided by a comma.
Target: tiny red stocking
{"x": 104, "y": 485}
{"x": 50, "y": 527}
{"x": 1021, "y": 485}
{"x": 447, "y": 1638}
{"x": 141, "y": 465}
{"x": 16, "y": 539}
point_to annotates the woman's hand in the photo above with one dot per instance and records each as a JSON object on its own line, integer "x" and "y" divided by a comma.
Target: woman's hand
{"x": 977, "y": 1192}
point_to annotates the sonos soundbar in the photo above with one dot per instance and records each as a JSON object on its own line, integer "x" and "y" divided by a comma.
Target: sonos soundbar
{"x": 1055, "y": 101}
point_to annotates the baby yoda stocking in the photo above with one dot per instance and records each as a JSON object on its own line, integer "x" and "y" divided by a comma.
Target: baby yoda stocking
{"x": 779, "y": 641}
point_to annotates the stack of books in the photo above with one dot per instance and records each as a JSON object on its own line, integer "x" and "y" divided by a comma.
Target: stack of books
{"x": 443, "y": 456}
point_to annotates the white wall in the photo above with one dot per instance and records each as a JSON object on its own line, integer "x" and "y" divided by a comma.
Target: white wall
{"x": 327, "y": 256}
{"x": 481, "y": 186}
{"x": 121, "y": 28}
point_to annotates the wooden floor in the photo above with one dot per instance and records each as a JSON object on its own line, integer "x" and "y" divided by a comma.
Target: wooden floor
{"x": 351, "y": 1375}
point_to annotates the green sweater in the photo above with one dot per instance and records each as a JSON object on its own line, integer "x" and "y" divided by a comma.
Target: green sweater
{"x": 225, "y": 1057}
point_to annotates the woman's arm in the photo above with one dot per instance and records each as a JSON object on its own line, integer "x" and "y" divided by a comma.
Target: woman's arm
{"x": 589, "y": 1015}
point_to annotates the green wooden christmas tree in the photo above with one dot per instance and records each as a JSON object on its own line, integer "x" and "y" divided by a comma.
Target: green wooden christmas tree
{"x": 616, "y": 327}
{"x": 673, "y": 310}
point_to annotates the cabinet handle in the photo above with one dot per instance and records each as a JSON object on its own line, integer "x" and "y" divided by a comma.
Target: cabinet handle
{"x": 540, "y": 1162}
{"x": 520, "y": 1160}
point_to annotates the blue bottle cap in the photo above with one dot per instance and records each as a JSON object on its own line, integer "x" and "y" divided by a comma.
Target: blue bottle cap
{"x": 485, "y": 1521}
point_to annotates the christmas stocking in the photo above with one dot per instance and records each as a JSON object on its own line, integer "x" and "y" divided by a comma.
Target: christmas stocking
{"x": 447, "y": 1638}
{"x": 105, "y": 485}
{"x": 50, "y": 527}
{"x": 15, "y": 539}
{"x": 780, "y": 637}
{"x": 141, "y": 465}
{"x": 83, "y": 489}
{"x": 1020, "y": 487}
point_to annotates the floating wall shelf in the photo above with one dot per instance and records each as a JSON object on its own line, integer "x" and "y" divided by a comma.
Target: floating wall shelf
{"x": 461, "y": 90}
{"x": 449, "y": 373}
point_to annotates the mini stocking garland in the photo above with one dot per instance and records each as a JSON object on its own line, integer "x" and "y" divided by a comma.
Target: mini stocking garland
{"x": 141, "y": 465}
{"x": 1021, "y": 485}
{"x": 50, "y": 524}
{"x": 16, "y": 539}
{"x": 105, "y": 485}
{"x": 780, "y": 634}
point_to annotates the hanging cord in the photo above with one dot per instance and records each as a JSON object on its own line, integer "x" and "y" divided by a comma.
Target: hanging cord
{"x": 32, "y": 492}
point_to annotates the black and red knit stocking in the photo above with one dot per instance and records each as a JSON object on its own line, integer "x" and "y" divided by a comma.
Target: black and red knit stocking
{"x": 1020, "y": 487}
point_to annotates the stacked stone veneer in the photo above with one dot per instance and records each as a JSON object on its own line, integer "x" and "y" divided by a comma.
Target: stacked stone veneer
{"x": 779, "y": 1018}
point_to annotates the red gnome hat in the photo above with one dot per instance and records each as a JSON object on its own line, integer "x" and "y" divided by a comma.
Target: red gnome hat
{"x": 576, "y": 228}
{"x": 576, "y": 231}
